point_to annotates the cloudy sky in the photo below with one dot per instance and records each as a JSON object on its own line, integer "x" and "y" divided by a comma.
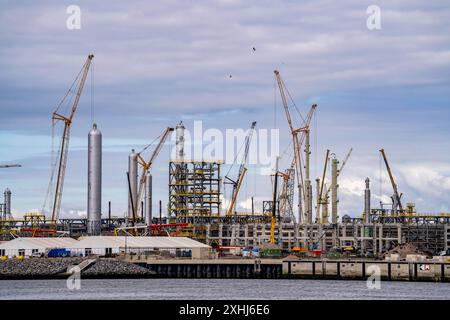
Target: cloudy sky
{"x": 160, "y": 62}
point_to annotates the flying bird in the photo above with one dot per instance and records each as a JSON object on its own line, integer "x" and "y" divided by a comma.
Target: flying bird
{"x": 254, "y": 49}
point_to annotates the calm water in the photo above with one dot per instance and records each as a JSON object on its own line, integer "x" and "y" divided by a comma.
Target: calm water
{"x": 204, "y": 289}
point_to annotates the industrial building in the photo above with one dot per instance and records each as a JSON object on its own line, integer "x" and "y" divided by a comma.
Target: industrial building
{"x": 106, "y": 245}
{"x": 26, "y": 247}
{"x": 113, "y": 245}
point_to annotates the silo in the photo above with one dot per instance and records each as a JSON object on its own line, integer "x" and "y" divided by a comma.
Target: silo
{"x": 148, "y": 198}
{"x": 133, "y": 172}
{"x": 179, "y": 141}
{"x": 94, "y": 202}
{"x": 7, "y": 208}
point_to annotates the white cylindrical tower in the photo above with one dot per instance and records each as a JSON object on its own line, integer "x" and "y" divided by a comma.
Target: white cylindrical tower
{"x": 133, "y": 172}
{"x": 94, "y": 201}
{"x": 7, "y": 208}
{"x": 179, "y": 141}
{"x": 148, "y": 199}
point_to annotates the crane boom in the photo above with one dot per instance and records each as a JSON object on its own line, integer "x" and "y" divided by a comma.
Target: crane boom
{"x": 242, "y": 170}
{"x": 319, "y": 198}
{"x": 396, "y": 196}
{"x": 297, "y": 142}
{"x": 339, "y": 170}
{"x": 286, "y": 175}
{"x": 146, "y": 165}
{"x": 293, "y": 130}
{"x": 62, "y": 163}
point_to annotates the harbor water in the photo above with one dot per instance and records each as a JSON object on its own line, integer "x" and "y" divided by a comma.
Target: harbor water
{"x": 226, "y": 289}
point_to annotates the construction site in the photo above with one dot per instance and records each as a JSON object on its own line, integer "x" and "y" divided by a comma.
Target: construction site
{"x": 300, "y": 217}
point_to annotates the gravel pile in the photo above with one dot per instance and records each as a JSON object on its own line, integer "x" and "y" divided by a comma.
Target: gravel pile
{"x": 54, "y": 267}
{"x": 36, "y": 266}
{"x": 112, "y": 267}
{"x": 407, "y": 248}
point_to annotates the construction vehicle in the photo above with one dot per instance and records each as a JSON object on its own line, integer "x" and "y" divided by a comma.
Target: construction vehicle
{"x": 63, "y": 152}
{"x": 242, "y": 171}
{"x": 146, "y": 165}
{"x": 396, "y": 197}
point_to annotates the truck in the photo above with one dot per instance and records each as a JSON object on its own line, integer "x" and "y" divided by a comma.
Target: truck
{"x": 57, "y": 253}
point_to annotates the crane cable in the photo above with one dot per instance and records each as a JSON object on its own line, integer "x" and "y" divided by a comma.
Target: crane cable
{"x": 66, "y": 101}
{"x": 70, "y": 89}
{"x": 381, "y": 179}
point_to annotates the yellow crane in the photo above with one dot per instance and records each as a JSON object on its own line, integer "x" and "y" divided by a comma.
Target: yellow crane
{"x": 62, "y": 162}
{"x": 396, "y": 201}
{"x": 274, "y": 205}
{"x": 146, "y": 165}
{"x": 242, "y": 171}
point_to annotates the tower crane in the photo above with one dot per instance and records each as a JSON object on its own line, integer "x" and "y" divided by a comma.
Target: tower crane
{"x": 242, "y": 171}
{"x": 62, "y": 162}
{"x": 146, "y": 165}
{"x": 396, "y": 197}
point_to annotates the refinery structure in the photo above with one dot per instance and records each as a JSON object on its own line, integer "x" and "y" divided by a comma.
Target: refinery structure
{"x": 300, "y": 216}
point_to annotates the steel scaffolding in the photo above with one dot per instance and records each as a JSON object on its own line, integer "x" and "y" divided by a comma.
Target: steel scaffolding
{"x": 194, "y": 189}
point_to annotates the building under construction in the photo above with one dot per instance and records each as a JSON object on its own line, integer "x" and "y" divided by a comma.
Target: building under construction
{"x": 195, "y": 201}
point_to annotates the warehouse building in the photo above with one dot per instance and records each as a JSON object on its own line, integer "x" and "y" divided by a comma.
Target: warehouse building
{"x": 114, "y": 245}
{"x": 26, "y": 247}
{"x": 107, "y": 246}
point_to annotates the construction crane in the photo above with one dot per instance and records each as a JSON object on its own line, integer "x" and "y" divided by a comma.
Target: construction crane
{"x": 320, "y": 199}
{"x": 242, "y": 170}
{"x": 274, "y": 205}
{"x": 10, "y": 166}
{"x": 297, "y": 141}
{"x": 63, "y": 152}
{"x": 396, "y": 201}
{"x": 339, "y": 171}
{"x": 146, "y": 165}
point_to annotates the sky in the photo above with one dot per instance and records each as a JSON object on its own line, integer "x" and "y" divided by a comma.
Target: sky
{"x": 161, "y": 62}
